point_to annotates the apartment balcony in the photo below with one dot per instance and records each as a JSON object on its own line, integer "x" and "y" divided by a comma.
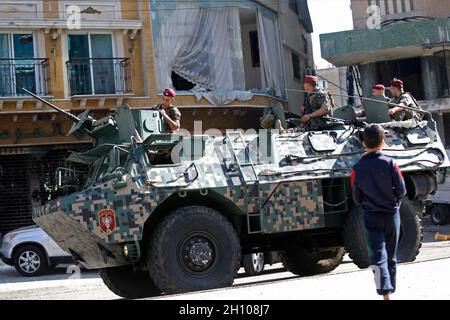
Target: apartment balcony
{"x": 28, "y": 73}
{"x": 99, "y": 76}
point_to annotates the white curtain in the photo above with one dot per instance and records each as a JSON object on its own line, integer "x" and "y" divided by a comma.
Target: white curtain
{"x": 203, "y": 45}
{"x": 270, "y": 52}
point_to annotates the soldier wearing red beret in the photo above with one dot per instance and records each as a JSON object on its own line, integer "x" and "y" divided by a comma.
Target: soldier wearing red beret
{"x": 317, "y": 104}
{"x": 404, "y": 99}
{"x": 379, "y": 90}
{"x": 170, "y": 114}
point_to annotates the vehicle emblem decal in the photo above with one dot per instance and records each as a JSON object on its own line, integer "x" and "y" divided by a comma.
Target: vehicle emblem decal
{"x": 107, "y": 220}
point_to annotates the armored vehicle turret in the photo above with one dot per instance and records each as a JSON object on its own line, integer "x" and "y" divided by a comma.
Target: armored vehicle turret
{"x": 183, "y": 226}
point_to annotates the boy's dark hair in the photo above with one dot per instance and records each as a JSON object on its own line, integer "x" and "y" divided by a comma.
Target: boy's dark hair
{"x": 373, "y": 135}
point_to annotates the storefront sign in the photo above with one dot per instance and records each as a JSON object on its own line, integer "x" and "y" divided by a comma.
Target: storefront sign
{"x": 20, "y": 133}
{"x": 38, "y": 132}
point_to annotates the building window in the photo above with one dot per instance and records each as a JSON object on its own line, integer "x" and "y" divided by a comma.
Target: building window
{"x": 296, "y": 66}
{"x": 92, "y": 67}
{"x": 18, "y": 66}
{"x": 293, "y": 6}
{"x": 254, "y": 48}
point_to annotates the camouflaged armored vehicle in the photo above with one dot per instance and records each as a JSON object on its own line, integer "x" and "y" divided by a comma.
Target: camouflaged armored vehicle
{"x": 183, "y": 226}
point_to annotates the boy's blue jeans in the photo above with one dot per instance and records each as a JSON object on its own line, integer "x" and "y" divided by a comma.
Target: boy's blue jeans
{"x": 383, "y": 230}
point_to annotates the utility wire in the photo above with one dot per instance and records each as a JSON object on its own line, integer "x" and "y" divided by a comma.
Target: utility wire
{"x": 331, "y": 82}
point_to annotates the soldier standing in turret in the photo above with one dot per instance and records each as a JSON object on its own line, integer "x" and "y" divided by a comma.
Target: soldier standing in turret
{"x": 404, "y": 99}
{"x": 170, "y": 114}
{"x": 317, "y": 104}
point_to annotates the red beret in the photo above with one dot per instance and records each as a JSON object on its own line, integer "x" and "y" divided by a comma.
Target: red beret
{"x": 168, "y": 92}
{"x": 310, "y": 79}
{"x": 379, "y": 87}
{"x": 397, "y": 83}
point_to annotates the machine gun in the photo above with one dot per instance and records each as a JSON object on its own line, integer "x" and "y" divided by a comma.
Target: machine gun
{"x": 117, "y": 128}
{"x": 84, "y": 123}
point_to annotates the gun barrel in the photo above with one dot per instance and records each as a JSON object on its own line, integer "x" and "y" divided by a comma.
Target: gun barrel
{"x": 51, "y": 105}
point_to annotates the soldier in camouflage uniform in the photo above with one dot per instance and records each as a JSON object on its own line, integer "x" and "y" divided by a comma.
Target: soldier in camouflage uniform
{"x": 168, "y": 112}
{"x": 317, "y": 105}
{"x": 404, "y": 99}
{"x": 171, "y": 123}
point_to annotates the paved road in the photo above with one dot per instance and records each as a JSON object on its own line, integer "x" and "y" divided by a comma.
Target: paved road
{"x": 427, "y": 278}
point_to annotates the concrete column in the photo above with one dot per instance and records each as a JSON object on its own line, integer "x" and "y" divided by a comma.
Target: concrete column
{"x": 439, "y": 118}
{"x": 342, "y": 82}
{"x": 447, "y": 66}
{"x": 368, "y": 78}
{"x": 429, "y": 77}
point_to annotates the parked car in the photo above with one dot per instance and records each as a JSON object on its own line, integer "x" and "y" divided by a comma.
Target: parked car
{"x": 254, "y": 263}
{"x": 31, "y": 251}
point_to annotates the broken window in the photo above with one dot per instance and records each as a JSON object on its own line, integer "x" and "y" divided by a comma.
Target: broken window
{"x": 180, "y": 83}
{"x": 254, "y": 47}
{"x": 203, "y": 43}
{"x": 296, "y": 66}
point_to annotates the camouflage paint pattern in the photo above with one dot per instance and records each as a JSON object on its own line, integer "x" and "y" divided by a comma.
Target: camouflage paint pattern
{"x": 288, "y": 195}
{"x": 294, "y": 206}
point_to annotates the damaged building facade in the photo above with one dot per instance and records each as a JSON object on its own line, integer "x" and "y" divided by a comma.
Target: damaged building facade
{"x": 227, "y": 61}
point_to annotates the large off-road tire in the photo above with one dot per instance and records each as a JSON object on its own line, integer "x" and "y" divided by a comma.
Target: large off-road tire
{"x": 307, "y": 262}
{"x": 129, "y": 284}
{"x": 410, "y": 240}
{"x": 439, "y": 214}
{"x": 193, "y": 248}
{"x": 355, "y": 238}
{"x": 253, "y": 263}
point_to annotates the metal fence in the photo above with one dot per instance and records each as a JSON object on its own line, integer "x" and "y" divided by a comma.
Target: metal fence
{"x": 29, "y": 73}
{"x": 90, "y": 76}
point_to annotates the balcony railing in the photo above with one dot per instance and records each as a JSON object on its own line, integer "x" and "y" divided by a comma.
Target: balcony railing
{"x": 32, "y": 74}
{"x": 95, "y": 76}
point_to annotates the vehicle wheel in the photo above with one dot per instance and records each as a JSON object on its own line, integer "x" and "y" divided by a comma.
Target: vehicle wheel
{"x": 410, "y": 240}
{"x": 30, "y": 261}
{"x": 411, "y": 231}
{"x": 308, "y": 262}
{"x": 253, "y": 263}
{"x": 355, "y": 239}
{"x": 439, "y": 214}
{"x": 129, "y": 284}
{"x": 193, "y": 248}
